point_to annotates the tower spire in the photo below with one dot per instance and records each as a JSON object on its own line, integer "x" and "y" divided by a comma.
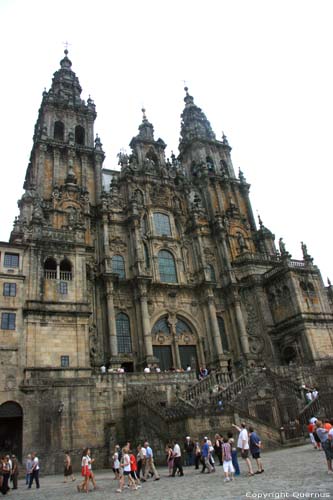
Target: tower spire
{"x": 195, "y": 125}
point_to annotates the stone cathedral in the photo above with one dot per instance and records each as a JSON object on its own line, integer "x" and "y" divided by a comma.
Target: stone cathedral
{"x": 159, "y": 263}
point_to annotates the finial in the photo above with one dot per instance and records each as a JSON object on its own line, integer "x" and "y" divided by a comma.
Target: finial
{"x": 329, "y": 282}
{"x": 144, "y": 118}
{"x": 66, "y": 44}
{"x": 260, "y": 221}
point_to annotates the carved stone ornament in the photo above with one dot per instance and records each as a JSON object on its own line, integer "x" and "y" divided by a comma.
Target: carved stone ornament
{"x": 118, "y": 245}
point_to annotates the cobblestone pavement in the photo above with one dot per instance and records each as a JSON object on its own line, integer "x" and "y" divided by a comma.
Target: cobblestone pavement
{"x": 289, "y": 473}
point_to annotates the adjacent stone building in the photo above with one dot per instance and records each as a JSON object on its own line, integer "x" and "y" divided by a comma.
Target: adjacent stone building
{"x": 158, "y": 263}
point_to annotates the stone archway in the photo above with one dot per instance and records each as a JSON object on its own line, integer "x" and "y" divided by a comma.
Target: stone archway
{"x": 11, "y": 426}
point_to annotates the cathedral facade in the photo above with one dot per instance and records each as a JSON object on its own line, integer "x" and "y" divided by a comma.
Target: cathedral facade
{"x": 159, "y": 263}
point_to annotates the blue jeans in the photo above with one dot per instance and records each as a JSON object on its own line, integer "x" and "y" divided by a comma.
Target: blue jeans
{"x": 235, "y": 462}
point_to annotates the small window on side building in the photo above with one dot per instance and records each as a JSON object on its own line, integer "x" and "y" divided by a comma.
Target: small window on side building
{"x": 64, "y": 361}
{"x": 9, "y": 289}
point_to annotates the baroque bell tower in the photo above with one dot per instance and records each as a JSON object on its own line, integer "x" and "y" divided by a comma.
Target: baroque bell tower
{"x": 56, "y": 222}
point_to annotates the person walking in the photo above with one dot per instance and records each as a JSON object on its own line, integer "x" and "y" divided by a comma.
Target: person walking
{"x": 85, "y": 473}
{"x": 150, "y": 466}
{"x": 218, "y": 448}
{"x": 125, "y": 465}
{"x": 227, "y": 460}
{"x": 170, "y": 458}
{"x": 243, "y": 445}
{"x": 34, "y": 473}
{"x": 322, "y": 433}
{"x": 177, "y": 460}
{"x": 188, "y": 448}
{"x": 141, "y": 461}
{"x": 68, "y": 470}
{"x": 116, "y": 463}
{"x": 255, "y": 447}
{"x": 28, "y": 465}
{"x": 5, "y": 469}
{"x": 197, "y": 454}
{"x": 205, "y": 456}
{"x": 234, "y": 453}
{"x": 15, "y": 472}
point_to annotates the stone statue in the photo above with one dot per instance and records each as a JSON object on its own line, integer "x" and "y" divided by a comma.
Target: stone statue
{"x": 241, "y": 242}
{"x": 282, "y": 247}
{"x": 305, "y": 251}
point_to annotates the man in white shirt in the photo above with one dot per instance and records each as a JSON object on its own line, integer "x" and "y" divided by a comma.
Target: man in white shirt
{"x": 177, "y": 461}
{"x": 243, "y": 445}
{"x": 34, "y": 470}
{"x": 146, "y": 370}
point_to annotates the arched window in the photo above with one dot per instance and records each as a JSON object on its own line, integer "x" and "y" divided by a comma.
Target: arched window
{"x": 162, "y": 224}
{"x": 167, "y": 267}
{"x": 59, "y": 131}
{"x": 224, "y": 338}
{"x": 118, "y": 266}
{"x": 146, "y": 254}
{"x": 182, "y": 327}
{"x": 50, "y": 269}
{"x": 211, "y": 273}
{"x": 123, "y": 334}
{"x": 79, "y": 135}
{"x": 161, "y": 326}
{"x": 65, "y": 270}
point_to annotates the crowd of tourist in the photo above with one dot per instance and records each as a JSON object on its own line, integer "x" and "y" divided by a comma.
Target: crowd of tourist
{"x": 321, "y": 437}
{"x": 134, "y": 466}
{"x": 9, "y": 472}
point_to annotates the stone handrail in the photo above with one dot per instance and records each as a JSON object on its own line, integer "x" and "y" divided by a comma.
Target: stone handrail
{"x": 310, "y": 410}
{"x": 219, "y": 377}
{"x": 227, "y": 394}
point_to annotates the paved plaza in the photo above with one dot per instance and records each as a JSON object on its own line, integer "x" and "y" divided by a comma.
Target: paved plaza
{"x": 298, "y": 472}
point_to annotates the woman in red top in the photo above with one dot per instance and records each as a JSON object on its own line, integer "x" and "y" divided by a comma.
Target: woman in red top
{"x": 134, "y": 468}
{"x": 310, "y": 431}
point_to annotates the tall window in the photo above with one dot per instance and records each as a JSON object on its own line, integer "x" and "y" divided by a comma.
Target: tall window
{"x": 11, "y": 260}
{"x": 50, "y": 269}
{"x": 65, "y": 270}
{"x": 162, "y": 224}
{"x": 167, "y": 267}
{"x": 224, "y": 338}
{"x": 211, "y": 273}
{"x": 123, "y": 334}
{"x": 9, "y": 289}
{"x": 79, "y": 135}
{"x": 118, "y": 266}
{"x": 59, "y": 131}
{"x": 8, "y": 321}
{"x": 146, "y": 254}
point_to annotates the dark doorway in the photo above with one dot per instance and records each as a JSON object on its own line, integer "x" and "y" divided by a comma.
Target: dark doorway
{"x": 289, "y": 354}
{"x": 164, "y": 354}
{"x": 128, "y": 367}
{"x": 188, "y": 356}
{"x": 11, "y": 423}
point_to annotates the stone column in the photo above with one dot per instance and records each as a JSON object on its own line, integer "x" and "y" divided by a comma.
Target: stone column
{"x": 145, "y": 321}
{"x": 215, "y": 325}
{"x": 242, "y": 329}
{"x": 111, "y": 320}
{"x": 172, "y": 320}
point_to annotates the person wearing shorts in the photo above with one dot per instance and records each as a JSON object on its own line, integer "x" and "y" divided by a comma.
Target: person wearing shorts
{"x": 255, "y": 447}
{"x": 228, "y": 468}
{"x": 125, "y": 465}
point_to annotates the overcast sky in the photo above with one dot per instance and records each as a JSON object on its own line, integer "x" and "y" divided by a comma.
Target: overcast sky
{"x": 261, "y": 71}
